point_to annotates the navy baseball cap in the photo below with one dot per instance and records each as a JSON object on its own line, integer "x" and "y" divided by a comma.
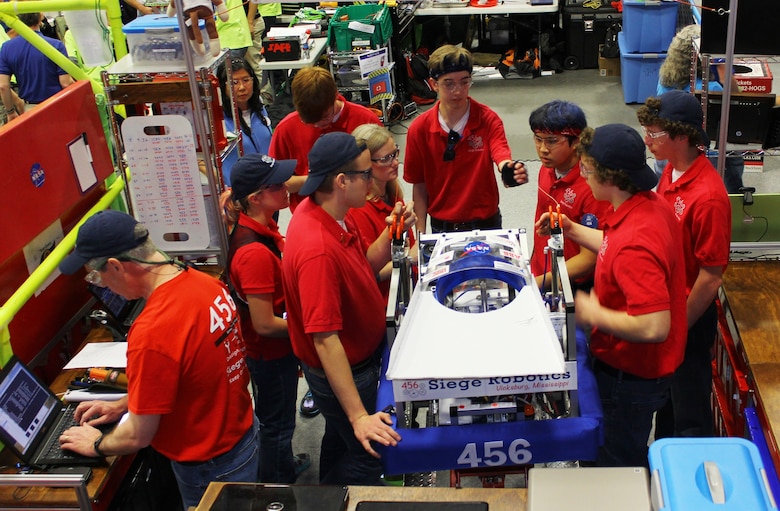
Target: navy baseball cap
{"x": 105, "y": 234}
{"x": 620, "y": 147}
{"x": 253, "y": 171}
{"x": 683, "y": 107}
{"x": 329, "y": 153}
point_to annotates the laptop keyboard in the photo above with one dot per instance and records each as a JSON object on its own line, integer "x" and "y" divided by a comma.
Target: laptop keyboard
{"x": 53, "y": 450}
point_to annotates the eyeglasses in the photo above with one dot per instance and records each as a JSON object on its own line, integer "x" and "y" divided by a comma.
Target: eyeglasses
{"x": 585, "y": 171}
{"x": 246, "y": 82}
{"x": 655, "y": 135}
{"x": 365, "y": 174}
{"x": 549, "y": 142}
{"x": 327, "y": 119}
{"x": 452, "y": 85}
{"x": 452, "y": 141}
{"x": 388, "y": 158}
{"x": 94, "y": 277}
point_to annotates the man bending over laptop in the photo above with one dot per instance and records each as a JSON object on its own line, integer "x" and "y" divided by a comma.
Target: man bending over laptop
{"x": 187, "y": 380}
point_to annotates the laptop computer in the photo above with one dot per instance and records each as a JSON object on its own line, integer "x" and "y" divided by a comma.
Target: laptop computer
{"x": 368, "y": 505}
{"x": 121, "y": 310}
{"x": 589, "y": 489}
{"x": 32, "y": 419}
{"x": 240, "y": 497}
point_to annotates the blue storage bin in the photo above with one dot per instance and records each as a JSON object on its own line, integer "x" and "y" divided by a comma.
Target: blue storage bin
{"x": 649, "y": 26}
{"x": 707, "y": 474}
{"x": 155, "y": 39}
{"x": 638, "y": 73}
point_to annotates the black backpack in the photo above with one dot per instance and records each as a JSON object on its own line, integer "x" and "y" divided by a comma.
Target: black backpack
{"x": 611, "y": 49}
{"x": 418, "y": 79}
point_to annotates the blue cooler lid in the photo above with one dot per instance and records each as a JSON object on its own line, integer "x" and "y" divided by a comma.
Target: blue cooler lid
{"x": 702, "y": 474}
{"x": 155, "y": 23}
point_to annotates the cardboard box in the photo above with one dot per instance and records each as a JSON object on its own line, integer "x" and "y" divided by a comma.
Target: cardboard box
{"x": 608, "y": 67}
{"x": 757, "y": 80}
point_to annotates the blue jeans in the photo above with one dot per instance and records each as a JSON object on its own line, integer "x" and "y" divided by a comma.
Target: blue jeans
{"x": 628, "y": 405}
{"x": 276, "y": 390}
{"x": 342, "y": 458}
{"x": 239, "y": 464}
{"x": 689, "y": 412}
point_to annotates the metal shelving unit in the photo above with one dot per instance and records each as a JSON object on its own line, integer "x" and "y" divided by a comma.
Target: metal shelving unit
{"x": 144, "y": 87}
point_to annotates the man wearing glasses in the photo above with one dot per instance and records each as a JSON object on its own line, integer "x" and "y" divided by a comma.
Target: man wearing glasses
{"x": 673, "y": 132}
{"x": 556, "y": 128}
{"x": 335, "y": 311}
{"x": 452, "y": 150}
{"x": 319, "y": 109}
{"x": 636, "y": 310}
{"x": 187, "y": 392}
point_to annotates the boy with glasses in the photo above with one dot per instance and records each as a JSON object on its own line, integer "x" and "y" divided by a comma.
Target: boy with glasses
{"x": 319, "y": 109}
{"x": 336, "y": 311}
{"x": 636, "y": 310}
{"x": 452, "y": 150}
{"x": 556, "y": 128}
{"x": 673, "y": 127}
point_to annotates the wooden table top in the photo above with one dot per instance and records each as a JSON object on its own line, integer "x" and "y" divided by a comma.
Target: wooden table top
{"x": 753, "y": 295}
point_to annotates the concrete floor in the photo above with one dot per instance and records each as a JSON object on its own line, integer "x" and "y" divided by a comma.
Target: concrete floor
{"x": 602, "y": 100}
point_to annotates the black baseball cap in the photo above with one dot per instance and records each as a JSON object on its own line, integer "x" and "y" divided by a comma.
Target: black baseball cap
{"x": 253, "y": 171}
{"x": 620, "y": 147}
{"x": 329, "y": 153}
{"x": 105, "y": 234}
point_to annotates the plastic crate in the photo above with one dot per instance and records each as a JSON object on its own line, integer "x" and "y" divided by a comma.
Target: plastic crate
{"x": 639, "y": 73}
{"x": 682, "y": 468}
{"x": 344, "y": 38}
{"x": 648, "y": 26}
{"x": 155, "y": 39}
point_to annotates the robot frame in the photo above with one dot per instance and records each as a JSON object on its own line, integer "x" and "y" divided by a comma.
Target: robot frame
{"x": 483, "y": 370}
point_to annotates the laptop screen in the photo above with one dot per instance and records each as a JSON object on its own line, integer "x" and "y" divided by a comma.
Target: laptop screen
{"x": 118, "y": 306}
{"x": 27, "y": 408}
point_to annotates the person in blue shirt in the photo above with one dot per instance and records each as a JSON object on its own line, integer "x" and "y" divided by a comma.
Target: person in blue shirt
{"x": 37, "y": 76}
{"x": 253, "y": 119}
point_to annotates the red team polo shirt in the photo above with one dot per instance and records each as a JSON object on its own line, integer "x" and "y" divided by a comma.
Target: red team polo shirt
{"x": 370, "y": 221}
{"x": 639, "y": 270}
{"x": 701, "y": 205}
{"x": 255, "y": 270}
{"x": 465, "y": 188}
{"x": 293, "y": 139}
{"x": 329, "y": 286}
{"x": 577, "y": 202}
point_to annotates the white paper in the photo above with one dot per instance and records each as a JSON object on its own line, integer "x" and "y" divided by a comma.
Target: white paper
{"x": 76, "y": 396}
{"x": 100, "y": 354}
{"x": 361, "y": 27}
{"x": 370, "y": 61}
{"x": 81, "y": 157}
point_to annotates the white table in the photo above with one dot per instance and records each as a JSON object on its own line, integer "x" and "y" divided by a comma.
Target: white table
{"x": 503, "y": 7}
{"x": 518, "y": 7}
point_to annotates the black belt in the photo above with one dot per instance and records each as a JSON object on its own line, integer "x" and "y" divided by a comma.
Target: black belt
{"x": 494, "y": 222}
{"x": 618, "y": 374}
{"x": 355, "y": 368}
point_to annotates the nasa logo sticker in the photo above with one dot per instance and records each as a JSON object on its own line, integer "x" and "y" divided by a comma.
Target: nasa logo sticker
{"x": 37, "y": 175}
{"x": 590, "y": 220}
{"x": 476, "y": 247}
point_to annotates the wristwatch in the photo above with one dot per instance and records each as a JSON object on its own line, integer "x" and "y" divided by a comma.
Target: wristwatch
{"x": 97, "y": 446}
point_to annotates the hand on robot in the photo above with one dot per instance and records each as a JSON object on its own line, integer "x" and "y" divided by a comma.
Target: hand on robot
{"x": 375, "y": 428}
{"x": 542, "y": 225}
